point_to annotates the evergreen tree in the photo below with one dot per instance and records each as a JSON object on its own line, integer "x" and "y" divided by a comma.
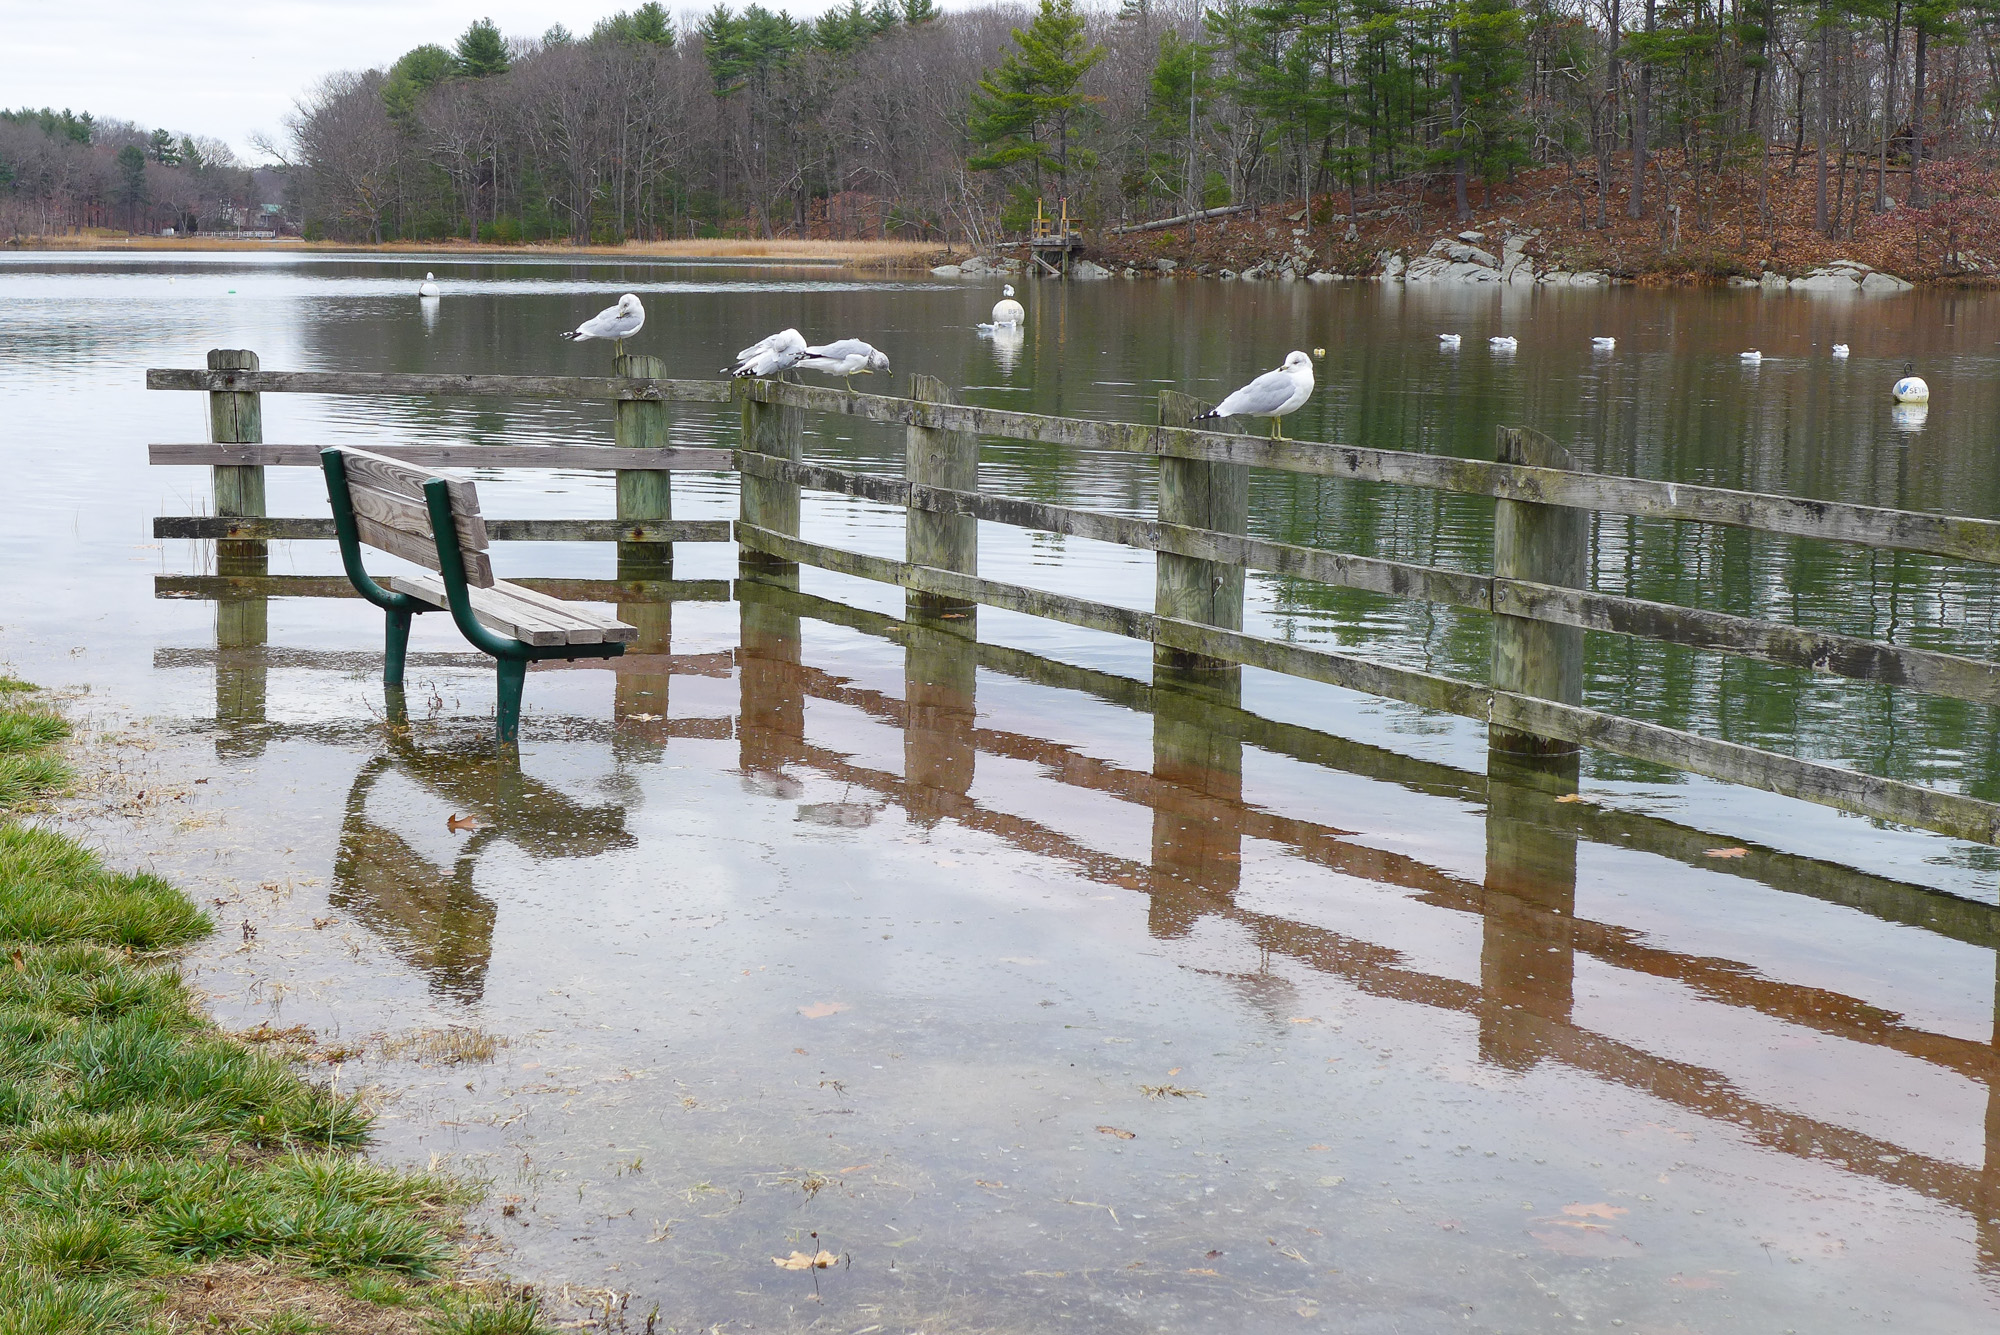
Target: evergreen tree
{"x": 482, "y": 51}
{"x": 1485, "y": 67}
{"x": 1028, "y": 111}
{"x": 132, "y": 182}
{"x": 419, "y": 70}
{"x": 919, "y": 12}
{"x": 648, "y": 25}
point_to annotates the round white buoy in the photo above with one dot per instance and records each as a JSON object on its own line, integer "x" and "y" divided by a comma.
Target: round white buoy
{"x": 429, "y": 287}
{"x": 1911, "y": 388}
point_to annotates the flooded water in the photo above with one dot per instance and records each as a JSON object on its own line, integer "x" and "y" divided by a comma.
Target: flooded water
{"x": 1039, "y": 998}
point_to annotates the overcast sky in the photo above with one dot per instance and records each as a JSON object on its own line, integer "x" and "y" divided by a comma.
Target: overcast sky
{"x": 229, "y": 70}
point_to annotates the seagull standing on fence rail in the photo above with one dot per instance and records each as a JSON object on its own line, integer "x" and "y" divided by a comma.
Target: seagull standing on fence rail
{"x": 1272, "y": 394}
{"x": 616, "y": 323}
{"x": 847, "y": 358}
{"x": 770, "y": 356}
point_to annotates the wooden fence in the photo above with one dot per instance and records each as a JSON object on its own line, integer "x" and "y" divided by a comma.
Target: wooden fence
{"x": 1531, "y": 705}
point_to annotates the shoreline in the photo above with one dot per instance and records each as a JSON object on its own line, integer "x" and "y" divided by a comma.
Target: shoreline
{"x": 888, "y": 255}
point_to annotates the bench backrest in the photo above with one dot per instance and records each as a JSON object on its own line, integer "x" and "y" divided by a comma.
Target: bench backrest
{"x": 391, "y": 513}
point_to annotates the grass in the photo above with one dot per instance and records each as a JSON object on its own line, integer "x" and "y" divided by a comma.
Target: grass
{"x": 157, "y": 1175}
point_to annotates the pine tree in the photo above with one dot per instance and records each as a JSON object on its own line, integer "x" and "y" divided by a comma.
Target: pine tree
{"x": 420, "y": 69}
{"x": 482, "y": 51}
{"x": 1028, "y": 111}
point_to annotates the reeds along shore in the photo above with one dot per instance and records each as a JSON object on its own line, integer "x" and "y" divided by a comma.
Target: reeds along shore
{"x": 157, "y": 1174}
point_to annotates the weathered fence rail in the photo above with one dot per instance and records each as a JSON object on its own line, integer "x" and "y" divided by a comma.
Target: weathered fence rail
{"x": 1532, "y": 705}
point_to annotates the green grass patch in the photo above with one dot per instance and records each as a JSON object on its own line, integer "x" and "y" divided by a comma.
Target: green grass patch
{"x": 139, "y": 1144}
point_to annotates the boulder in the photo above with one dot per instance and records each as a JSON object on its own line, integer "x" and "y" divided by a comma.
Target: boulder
{"x": 1391, "y": 262}
{"x": 1320, "y": 276}
{"x": 1166, "y": 266}
{"x": 1738, "y": 280}
{"x": 1773, "y": 282}
{"x": 1472, "y": 236}
{"x": 947, "y": 271}
{"x": 1827, "y": 280}
{"x": 1434, "y": 269}
{"x": 1088, "y": 271}
{"x": 976, "y": 267}
{"x": 1881, "y": 284}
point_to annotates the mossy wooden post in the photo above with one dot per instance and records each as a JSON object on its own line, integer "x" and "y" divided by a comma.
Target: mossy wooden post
{"x": 769, "y": 503}
{"x": 1197, "y": 494}
{"x": 241, "y": 624}
{"x": 948, "y": 459}
{"x": 645, "y": 498}
{"x": 1197, "y": 863}
{"x": 1548, "y": 544}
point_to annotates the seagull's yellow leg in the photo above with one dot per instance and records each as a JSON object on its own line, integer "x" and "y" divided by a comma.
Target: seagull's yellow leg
{"x": 1275, "y": 433}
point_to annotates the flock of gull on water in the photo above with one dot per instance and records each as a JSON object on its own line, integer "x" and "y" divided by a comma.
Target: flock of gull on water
{"x": 1272, "y": 395}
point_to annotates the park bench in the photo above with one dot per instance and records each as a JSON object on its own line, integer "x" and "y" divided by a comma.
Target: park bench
{"x": 433, "y": 519}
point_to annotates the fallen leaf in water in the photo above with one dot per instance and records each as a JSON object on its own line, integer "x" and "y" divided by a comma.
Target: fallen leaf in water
{"x": 1570, "y": 797}
{"x": 1170, "y": 1092}
{"x": 1175, "y": 1071}
{"x": 856, "y": 1168}
{"x": 819, "y": 1010}
{"x": 800, "y": 1051}
{"x": 1319, "y": 1147}
{"x": 462, "y": 823}
{"x": 800, "y": 1261}
{"x": 1303, "y": 1019}
{"x": 1200, "y": 1270}
{"x": 1728, "y": 852}
{"x": 1119, "y": 1132}
{"x": 1598, "y": 1211}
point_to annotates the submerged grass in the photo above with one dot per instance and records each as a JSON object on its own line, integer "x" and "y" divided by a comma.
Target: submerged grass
{"x": 155, "y": 1174}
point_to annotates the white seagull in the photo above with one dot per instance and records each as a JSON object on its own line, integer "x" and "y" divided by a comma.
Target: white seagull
{"x": 429, "y": 287}
{"x": 1503, "y": 343}
{"x": 847, "y": 358}
{"x": 1604, "y": 344}
{"x": 1447, "y": 342}
{"x": 616, "y": 323}
{"x": 1911, "y": 388}
{"x": 1272, "y": 394}
{"x": 770, "y": 356}
{"x": 1840, "y": 349}
{"x": 1753, "y": 356}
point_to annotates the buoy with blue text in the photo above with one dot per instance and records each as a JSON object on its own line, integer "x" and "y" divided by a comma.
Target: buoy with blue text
{"x": 1911, "y": 388}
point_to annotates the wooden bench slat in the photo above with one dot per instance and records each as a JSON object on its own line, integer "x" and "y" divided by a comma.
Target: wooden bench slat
{"x": 422, "y": 551}
{"x": 527, "y": 616}
{"x": 378, "y": 471}
{"x": 414, "y": 517}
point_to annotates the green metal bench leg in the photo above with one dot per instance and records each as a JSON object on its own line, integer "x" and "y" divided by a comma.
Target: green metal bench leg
{"x": 513, "y": 674}
{"x": 396, "y": 646}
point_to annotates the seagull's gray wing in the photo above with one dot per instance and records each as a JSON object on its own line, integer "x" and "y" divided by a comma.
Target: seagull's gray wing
{"x": 1262, "y": 396}
{"x": 785, "y": 340}
{"x": 846, "y": 347}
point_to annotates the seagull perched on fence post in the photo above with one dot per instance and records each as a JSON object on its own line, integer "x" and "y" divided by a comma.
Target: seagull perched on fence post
{"x": 616, "y": 323}
{"x": 770, "y": 356}
{"x": 1272, "y": 394}
{"x": 847, "y": 358}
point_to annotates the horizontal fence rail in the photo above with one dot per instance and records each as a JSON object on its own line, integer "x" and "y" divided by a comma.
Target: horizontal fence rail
{"x": 1191, "y": 624}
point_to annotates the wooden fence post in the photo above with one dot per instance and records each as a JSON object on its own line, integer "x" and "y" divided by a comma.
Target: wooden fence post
{"x": 1198, "y": 494}
{"x": 1197, "y": 865}
{"x": 948, "y": 459}
{"x": 777, "y": 431}
{"x": 1527, "y": 954}
{"x": 645, "y": 496}
{"x": 237, "y": 419}
{"x": 1549, "y": 544}
{"x": 241, "y": 679}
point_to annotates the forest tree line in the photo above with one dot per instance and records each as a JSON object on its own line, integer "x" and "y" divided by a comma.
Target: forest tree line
{"x": 62, "y": 170}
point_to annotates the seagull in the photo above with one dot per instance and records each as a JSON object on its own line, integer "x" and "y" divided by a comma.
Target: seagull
{"x": 1272, "y": 394}
{"x": 1447, "y": 342}
{"x": 1840, "y": 349}
{"x": 848, "y": 358}
{"x": 1604, "y": 344}
{"x": 1911, "y": 388}
{"x": 1007, "y": 310}
{"x": 616, "y": 323}
{"x": 1503, "y": 343}
{"x": 429, "y": 287}
{"x": 770, "y": 356}
{"x": 1753, "y": 356}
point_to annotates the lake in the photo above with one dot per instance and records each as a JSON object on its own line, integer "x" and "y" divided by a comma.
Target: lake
{"x": 1041, "y": 999}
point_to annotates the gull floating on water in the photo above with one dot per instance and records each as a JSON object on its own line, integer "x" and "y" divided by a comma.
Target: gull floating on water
{"x": 847, "y": 358}
{"x": 429, "y": 287}
{"x": 1605, "y": 343}
{"x": 616, "y": 323}
{"x": 1503, "y": 343}
{"x": 774, "y": 355}
{"x": 1447, "y": 342}
{"x": 1840, "y": 349}
{"x": 1272, "y": 394}
{"x": 1753, "y": 356}
{"x": 1911, "y": 388}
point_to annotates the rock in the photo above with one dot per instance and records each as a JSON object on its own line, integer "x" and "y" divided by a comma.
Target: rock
{"x": 1772, "y": 281}
{"x": 1472, "y": 236}
{"x": 1471, "y": 255}
{"x": 1563, "y": 278}
{"x": 1352, "y": 234}
{"x": 1435, "y": 269}
{"x": 1320, "y": 276}
{"x": 1130, "y": 272}
{"x": 1855, "y": 265}
{"x": 1881, "y": 284}
{"x": 946, "y": 271}
{"x": 1227, "y": 273}
{"x": 1087, "y": 271}
{"x": 1514, "y": 245}
{"x": 1517, "y": 269}
{"x": 976, "y": 267}
{"x": 1826, "y": 280}
{"x": 1738, "y": 280}
{"x": 1166, "y": 266}
{"x": 1391, "y": 262}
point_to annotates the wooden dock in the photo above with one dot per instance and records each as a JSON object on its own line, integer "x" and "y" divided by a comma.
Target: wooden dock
{"x": 1531, "y": 704}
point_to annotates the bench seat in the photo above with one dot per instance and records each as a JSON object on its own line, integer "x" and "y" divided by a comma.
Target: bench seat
{"x": 530, "y": 617}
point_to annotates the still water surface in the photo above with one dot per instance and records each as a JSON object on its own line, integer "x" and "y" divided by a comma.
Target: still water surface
{"x": 1042, "y": 1000}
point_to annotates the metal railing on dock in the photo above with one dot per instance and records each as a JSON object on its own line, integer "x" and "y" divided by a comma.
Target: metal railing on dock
{"x": 1532, "y": 705}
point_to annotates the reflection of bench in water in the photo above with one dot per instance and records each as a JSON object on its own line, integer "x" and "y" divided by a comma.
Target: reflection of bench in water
{"x": 433, "y": 917}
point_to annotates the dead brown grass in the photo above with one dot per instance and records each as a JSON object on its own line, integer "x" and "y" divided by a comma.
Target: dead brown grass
{"x": 443, "y": 1047}
{"x": 863, "y": 253}
{"x": 241, "y": 1296}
